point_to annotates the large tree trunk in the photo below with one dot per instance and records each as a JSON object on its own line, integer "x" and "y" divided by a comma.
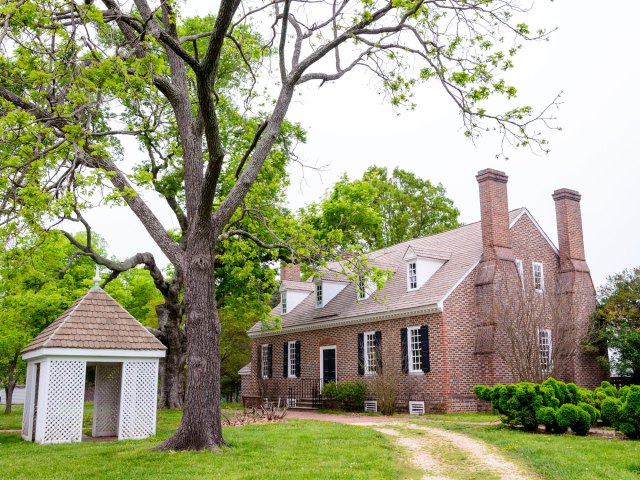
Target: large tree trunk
{"x": 201, "y": 426}
{"x": 172, "y": 378}
{"x": 10, "y": 386}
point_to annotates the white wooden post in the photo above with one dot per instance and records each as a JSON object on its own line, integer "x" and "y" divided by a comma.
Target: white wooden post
{"x": 29, "y": 400}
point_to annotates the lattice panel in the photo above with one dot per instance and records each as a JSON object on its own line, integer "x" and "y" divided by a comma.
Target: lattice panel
{"x": 106, "y": 400}
{"x": 138, "y": 399}
{"x": 65, "y": 401}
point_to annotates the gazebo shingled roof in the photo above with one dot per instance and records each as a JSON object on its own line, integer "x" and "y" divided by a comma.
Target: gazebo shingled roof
{"x": 96, "y": 321}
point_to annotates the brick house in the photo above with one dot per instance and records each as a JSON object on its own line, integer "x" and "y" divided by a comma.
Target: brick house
{"x": 437, "y": 325}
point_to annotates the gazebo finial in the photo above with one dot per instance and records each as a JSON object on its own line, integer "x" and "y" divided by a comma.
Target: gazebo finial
{"x": 96, "y": 279}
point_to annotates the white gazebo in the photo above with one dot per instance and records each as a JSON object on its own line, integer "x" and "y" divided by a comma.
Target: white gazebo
{"x": 95, "y": 331}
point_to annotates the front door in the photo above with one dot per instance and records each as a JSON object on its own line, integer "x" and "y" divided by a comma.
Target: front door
{"x": 327, "y": 364}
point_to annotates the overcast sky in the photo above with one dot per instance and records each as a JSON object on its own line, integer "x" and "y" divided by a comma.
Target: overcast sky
{"x": 592, "y": 58}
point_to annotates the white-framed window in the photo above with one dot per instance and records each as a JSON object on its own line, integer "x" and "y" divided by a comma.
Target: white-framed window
{"x": 318, "y": 295}
{"x": 361, "y": 293}
{"x": 283, "y": 301}
{"x": 292, "y": 359}
{"x": 370, "y": 353}
{"x": 265, "y": 361}
{"x": 414, "y": 353}
{"x": 412, "y": 275}
{"x": 520, "y": 269}
{"x": 545, "y": 346}
{"x": 538, "y": 277}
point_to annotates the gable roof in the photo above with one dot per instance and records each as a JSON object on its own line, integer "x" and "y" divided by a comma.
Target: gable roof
{"x": 96, "y": 321}
{"x": 463, "y": 245}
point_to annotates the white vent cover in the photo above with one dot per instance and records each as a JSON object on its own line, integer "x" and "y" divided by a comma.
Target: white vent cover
{"x": 416, "y": 408}
{"x": 291, "y": 402}
{"x": 371, "y": 406}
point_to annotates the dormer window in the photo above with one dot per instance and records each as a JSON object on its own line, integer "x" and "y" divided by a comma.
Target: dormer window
{"x": 283, "y": 301}
{"x": 319, "y": 295}
{"x": 422, "y": 264}
{"x": 412, "y": 275}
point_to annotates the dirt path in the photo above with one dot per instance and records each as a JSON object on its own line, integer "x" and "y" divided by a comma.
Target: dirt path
{"x": 439, "y": 453}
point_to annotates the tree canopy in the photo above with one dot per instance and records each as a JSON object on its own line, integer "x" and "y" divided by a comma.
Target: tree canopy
{"x": 381, "y": 209}
{"x": 75, "y": 79}
{"x": 617, "y": 318}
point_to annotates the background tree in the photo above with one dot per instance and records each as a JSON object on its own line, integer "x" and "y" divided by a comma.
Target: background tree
{"x": 36, "y": 286}
{"x": 72, "y": 77}
{"x": 617, "y": 323}
{"x": 381, "y": 210}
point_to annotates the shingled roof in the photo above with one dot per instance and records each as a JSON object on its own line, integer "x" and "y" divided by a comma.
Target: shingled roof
{"x": 463, "y": 247}
{"x": 96, "y": 321}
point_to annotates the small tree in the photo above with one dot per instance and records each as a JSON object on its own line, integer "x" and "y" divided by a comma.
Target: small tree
{"x": 617, "y": 323}
{"x": 537, "y": 331}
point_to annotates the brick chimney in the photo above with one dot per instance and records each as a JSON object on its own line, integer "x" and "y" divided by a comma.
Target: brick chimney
{"x": 290, "y": 272}
{"x": 494, "y": 215}
{"x": 570, "y": 240}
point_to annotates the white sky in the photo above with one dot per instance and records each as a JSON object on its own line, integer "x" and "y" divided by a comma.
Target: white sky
{"x": 590, "y": 58}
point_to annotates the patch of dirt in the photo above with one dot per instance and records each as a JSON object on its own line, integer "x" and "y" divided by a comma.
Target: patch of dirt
{"x": 419, "y": 454}
{"x": 483, "y": 454}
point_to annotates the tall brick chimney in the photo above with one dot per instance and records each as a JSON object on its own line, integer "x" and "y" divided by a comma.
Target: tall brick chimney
{"x": 570, "y": 240}
{"x": 290, "y": 272}
{"x": 494, "y": 215}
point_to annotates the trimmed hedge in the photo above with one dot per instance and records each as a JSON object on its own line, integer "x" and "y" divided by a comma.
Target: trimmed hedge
{"x": 560, "y": 406}
{"x": 351, "y": 394}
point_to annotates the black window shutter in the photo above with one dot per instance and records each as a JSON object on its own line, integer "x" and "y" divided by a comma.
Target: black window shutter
{"x": 403, "y": 350}
{"x": 285, "y": 360}
{"x": 361, "y": 354}
{"x": 259, "y": 361}
{"x": 378, "y": 336}
{"x": 298, "y": 357}
{"x": 424, "y": 348}
{"x": 270, "y": 360}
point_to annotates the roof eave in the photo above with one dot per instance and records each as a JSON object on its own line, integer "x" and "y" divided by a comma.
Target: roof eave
{"x": 406, "y": 312}
{"x": 97, "y": 353}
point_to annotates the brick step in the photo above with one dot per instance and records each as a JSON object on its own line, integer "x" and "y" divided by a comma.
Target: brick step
{"x": 306, "y": 403}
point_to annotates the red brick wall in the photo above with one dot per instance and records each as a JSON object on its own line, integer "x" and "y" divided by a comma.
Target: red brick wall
{"x": 411, "y": 386}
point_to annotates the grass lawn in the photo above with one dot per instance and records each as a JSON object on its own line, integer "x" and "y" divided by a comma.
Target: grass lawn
{"x": 294, "y": 449}
{"x": 562, "y": 457}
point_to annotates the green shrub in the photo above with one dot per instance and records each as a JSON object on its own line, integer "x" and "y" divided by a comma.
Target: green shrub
{"x": 606, "y": 389}
{"x": 559, "y": 388}
{"x": 567, "y": 415}
{"x": 583, "y": 423}
{"x": 482, "y": 392}
{"x": 609, "y": 411}
{"x": 593, "y": 412}
{"x": 586, "y": 396}
{"x": 351, "y": 394}
{"x": 628, "y": 421}
{"x": 572, "y": 394}
{"x": 624, "y": 391}
{"x": 547, "y": 417}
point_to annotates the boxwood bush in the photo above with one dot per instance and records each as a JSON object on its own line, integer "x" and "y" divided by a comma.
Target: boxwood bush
{"x": 351, "y": 394}
{"x": 560, "y": 406}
